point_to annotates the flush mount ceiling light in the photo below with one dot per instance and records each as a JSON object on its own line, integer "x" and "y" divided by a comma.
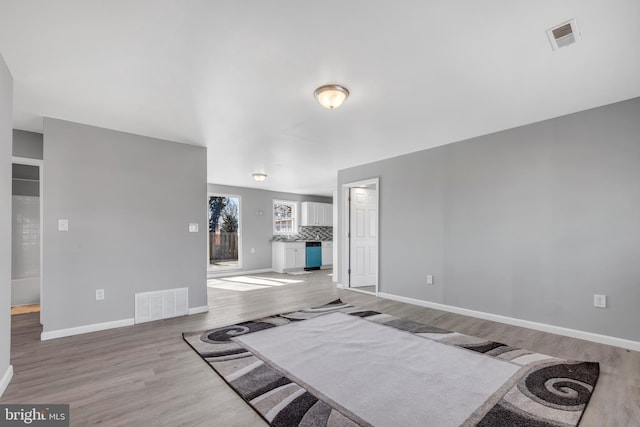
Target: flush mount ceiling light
{"x": 331, "y": 96}
{"x": 259, "y": 176}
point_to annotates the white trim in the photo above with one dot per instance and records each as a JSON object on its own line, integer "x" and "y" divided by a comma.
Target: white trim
{"x": 6, "y": 379}
{"x": 229, "y": 196}
{"x": 544, "y": 327}
{"x": 336, "y": 232}
{"x": 227, "y": 273}
{"x": 340, "y": 286}
{"x": 59, "y": 333}
{"x": 297, "y": 212}
{"x": 361, "y": 291}
{"x": 198, "y": 310}
{"x": 40, "y": 164}
{"x": 26, "y": 161}
{"x": 345, "y": 221}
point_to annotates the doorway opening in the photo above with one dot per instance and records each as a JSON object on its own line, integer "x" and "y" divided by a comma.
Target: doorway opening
{"x": 26, "y": 236}
{"x": 224, "y": 232}
{"x": 361, "y": 243}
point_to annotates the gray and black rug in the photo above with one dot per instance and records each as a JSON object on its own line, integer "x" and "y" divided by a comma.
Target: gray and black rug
{"x": 337, "y": 365}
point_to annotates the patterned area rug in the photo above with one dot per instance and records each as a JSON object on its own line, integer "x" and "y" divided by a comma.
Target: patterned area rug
{"x": 545, "y": 391}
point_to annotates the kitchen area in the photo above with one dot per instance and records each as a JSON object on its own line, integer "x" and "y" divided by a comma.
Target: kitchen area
{"x": 311, "y": 248}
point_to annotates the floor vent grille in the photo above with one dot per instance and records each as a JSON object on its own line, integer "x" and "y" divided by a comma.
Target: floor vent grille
{"x": 161, "y": 304}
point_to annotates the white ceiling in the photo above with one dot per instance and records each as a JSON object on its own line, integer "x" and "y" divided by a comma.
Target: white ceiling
{"x": 238, "y": 76}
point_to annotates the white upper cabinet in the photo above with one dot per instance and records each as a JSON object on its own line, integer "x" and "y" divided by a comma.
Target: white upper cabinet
{"x": 318, "y": 214}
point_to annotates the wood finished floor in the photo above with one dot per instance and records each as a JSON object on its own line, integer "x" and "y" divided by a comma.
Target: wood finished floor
{"x": 146, "y": 375}
{"x": 24, "y": 309}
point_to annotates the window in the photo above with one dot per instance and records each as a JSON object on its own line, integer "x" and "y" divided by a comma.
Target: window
{"x": 284, "y": 217}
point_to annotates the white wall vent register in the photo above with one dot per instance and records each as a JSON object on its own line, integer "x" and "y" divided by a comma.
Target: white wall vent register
{"x": 161, "y": 304}
{"x": 564, "y": 34}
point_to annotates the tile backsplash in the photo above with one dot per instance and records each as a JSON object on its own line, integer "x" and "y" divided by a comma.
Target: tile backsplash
{"x": 308, "y": 233}
{"x": 313, "y": 233}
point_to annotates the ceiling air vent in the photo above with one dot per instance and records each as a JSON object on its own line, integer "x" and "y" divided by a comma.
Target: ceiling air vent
{"x": 564, "y": 34}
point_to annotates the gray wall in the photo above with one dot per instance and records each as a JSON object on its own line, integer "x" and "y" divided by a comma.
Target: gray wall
{"x": 27, "y": 144}
{"x": 528, "y": 223}
{"x": 6, "y": 118}
{"x": 257, "y": 230}
{"x": 129, "y": 200}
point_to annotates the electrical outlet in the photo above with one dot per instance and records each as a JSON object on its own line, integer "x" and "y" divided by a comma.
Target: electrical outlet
{"x": 600, "y": 301}
{"x": 193, "y": 227}
{"x": 99, "y": 294}
{"x": 253, "y": 250}
{"x": 429, "y": 279}
{"x": 63, "y": 225}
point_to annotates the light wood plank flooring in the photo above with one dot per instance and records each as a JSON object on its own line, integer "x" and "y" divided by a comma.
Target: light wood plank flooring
{"x": 23, "y": 309}
{"x": 146, "y": 375}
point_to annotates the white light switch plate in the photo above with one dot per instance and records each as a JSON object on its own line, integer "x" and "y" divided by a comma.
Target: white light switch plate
{"x": 429, "y": 279}
{"x": 63, "y": 225}
{"x": 193, "y": 227}
{"x": 99, "y": 294}
{"x": 600, "y": 301}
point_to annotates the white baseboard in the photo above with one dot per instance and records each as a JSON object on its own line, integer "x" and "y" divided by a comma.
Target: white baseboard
{"x": 355, "y": 289}
{"x": 6, "y": 379}
{"x": 227, "y": 273}
{"x": 559, "y": 330}
{"x": 198, "y": 310}
{"x": 59, "y": 333}
{"x": 340, "y": 285}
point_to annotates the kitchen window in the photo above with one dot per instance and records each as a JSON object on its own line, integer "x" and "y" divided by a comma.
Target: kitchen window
{"x": 284, "y": 217}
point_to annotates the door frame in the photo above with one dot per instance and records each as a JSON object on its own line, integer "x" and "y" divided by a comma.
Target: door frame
{"x": 346, "y": 221}
{"x": 40, "y": 164}
{"x": 225, "y": 269}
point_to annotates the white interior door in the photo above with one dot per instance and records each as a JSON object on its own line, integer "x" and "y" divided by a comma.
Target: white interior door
{"x": 364, "y": 237}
